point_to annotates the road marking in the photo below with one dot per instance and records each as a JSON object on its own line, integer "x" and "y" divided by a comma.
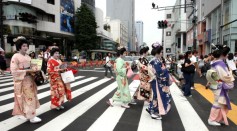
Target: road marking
{"x": 14, "y": 122}
{"x": 67, "y": 118}
{"x": 189, "y": 117}
{"x": 207, "y": 94}
{"x": 146, "y": 123}
{"x": 108, "y": 120}
{"x": 9, "y": 106}
{"x": 133, "y": 87}
{"x": 6, "y": 80}
{"x": 4, "y": 77}
{"x": 38, "y": 88}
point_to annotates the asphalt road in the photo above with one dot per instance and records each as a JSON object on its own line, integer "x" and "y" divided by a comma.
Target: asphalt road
{"x": 88, "y": 109}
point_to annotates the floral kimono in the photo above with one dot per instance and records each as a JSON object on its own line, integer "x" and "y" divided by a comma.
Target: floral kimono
{"x": 25, "y": 90}
{"x": 145, "y": 75}
{"x": 122, "y": 94}
{"x": 57, "y": 87}
{"x": 221, "y": 104}
{"x": 160, "y": 86}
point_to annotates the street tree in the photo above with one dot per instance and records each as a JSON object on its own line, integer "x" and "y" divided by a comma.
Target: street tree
{"x": 85, "y": 29}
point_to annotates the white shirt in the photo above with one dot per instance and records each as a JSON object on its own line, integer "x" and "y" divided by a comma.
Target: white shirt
{"x": 193, "y": 59}
{"x": 235, "y": 58}
{"x": 231, "y": 64}
{"x": 46, "y": 55}
{"x": 107, "y": 60}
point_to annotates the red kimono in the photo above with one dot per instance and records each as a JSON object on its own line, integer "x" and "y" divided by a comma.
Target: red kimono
{"x": 57, "y": 88}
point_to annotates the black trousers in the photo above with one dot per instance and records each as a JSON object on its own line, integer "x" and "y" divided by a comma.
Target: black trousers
{"x": 106, "y": 70}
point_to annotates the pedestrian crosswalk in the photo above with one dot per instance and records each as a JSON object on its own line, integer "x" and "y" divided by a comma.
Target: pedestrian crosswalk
{"x": 88, "y": 110}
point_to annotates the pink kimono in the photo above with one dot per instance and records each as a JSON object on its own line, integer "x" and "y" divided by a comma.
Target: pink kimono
{"x": 25, "y": 90}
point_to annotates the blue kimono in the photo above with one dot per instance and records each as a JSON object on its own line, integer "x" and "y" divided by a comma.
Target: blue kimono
{"x": 160, "y": 86}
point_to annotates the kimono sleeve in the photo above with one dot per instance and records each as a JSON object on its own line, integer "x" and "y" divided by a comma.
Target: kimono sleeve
{"x": 151, "y": 72}
{"x": 51, "y": 67}
{"x": 224, "y": 76}
{"x": 120, "y": 68}
{"x": 17, "y": 74}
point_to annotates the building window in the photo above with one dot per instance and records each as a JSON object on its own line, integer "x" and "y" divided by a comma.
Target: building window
{"x": 168, "y": 33}
{"x": 51, "y": 18}
{"x": 15, "y": 30}
{"x": 168, "y": 16}
{"x": 50, "y": 1}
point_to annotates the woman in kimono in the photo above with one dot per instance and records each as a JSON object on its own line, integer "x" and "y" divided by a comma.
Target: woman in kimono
{"x": 3, "y": 64}
{"x": 221, "y": 105}
{"x": 57, "y": 87}
{"x": 145, "y": 75}
{"x": 122, "y": 94}
{"x": 160, "y": 104}
{"x": 25, "y": 90}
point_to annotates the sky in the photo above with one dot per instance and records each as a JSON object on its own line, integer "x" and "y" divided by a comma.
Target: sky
{"x": 149, "y": 16}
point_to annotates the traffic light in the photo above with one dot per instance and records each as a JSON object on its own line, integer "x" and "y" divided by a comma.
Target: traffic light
{"x": 159, "y": 24}
{"x": 153, "y": 5}
{"x": 162, "y": 24}
{"x": 26, "y": 17}
{"x": 165, "y": 24}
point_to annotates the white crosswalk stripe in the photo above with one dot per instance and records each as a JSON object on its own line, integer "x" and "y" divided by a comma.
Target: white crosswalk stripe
{"x": 6, "y": 80}
{"x": 11, "y": 95}
{"x": 44, "y": 94}
{"x": 5, "y": 77}
{"x": 109, "y": 117}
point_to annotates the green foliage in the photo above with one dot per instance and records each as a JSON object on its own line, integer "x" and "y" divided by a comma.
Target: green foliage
{"x": 6, "y": 29}
{"x": 85, "y": 29}
{"x": 9, "y": 55}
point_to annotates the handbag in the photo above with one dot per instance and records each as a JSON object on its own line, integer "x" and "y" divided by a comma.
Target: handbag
{"x": 188, "y": 69}
{"x": 38, "y": 78}
{"x": 129, "y": 73}
{"x": 67, "y": 77}
{"x": 105, "y": 64}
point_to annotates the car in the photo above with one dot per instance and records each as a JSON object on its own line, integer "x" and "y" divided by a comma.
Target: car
{"x": 128, "y": 59}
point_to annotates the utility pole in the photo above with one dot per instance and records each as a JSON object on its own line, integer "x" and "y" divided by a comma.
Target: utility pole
{"x": 221, "y": 27}
{"x": 1, "y": 25}
{"x": 163, "y": 37}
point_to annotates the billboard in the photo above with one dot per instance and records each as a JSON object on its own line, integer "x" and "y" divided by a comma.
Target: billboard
{"x": 66, "y": 15}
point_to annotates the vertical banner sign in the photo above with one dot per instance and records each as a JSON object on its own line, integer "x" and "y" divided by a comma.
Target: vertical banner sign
{"x": 66, "y": 15}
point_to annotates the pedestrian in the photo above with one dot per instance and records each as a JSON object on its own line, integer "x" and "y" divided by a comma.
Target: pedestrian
{"x": 32, "y": 55}
{"x": 58, "y": 89}
{"x": 108, "y": 66}
{"x": 168, "y": 62}
{"x": 180, "y": 73}
{"x": 194, "y": 60}
{"x": 3, "y": 63}
{"x": 122, "y": 94}
{"x": 231, "y": 63}
{"x": 25, "y": 91}
{"x": 54, "y": 46}
{"x": 235, "y": 57}
{"x": 160, "y": 104}
{"x": 188, "y": 68}
{"x": 221, "y": 104}
{"x": 144, "y": 91}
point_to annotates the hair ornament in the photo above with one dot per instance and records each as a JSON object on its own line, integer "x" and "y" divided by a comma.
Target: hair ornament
{"x": 157, "y": 44}
{"x": 19, "y": 38}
